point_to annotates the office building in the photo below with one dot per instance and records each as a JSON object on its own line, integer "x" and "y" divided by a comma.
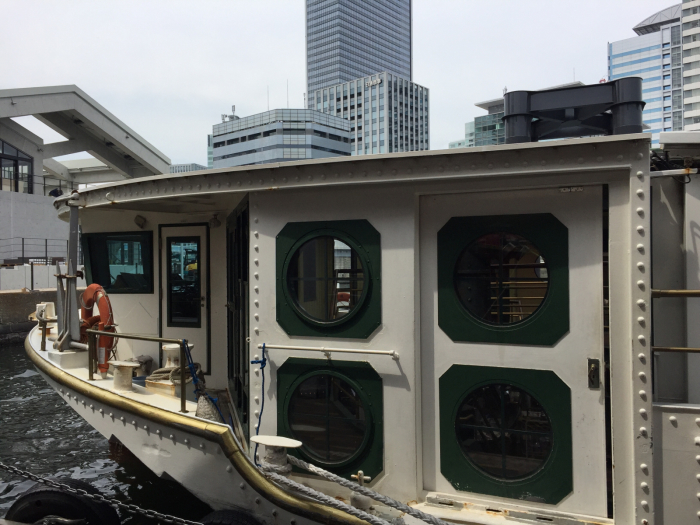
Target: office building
{"x": 349, "y": 39}
{"x": 210, "y": 151}
{"x": 489, "y": 129}
{"x": 279, "y": 135}
{"x": 386, "y": 113}
{"x": 690, "y": 19}
{"x": 655, "y": 55}
{"x": 184, "y": 168}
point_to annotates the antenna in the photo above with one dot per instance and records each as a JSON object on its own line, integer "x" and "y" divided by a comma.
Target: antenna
{"x": 223, "y": 118}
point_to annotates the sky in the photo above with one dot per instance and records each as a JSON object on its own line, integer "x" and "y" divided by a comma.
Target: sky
{"x": 170, "y": 68}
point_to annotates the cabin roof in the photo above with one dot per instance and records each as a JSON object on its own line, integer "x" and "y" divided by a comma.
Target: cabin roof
{"x": 561, "y": 156}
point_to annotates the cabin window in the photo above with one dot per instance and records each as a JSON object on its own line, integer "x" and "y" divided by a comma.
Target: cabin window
{"x": 503, "y": 431}
{"x": 335, "y": 409}
{"x": 504, "y": 279}
{"x": 501, "y": 278}
{"x": 121, "y": 262}
{"x": 183, "y": 282}
{"x": 325, "y": 278}
{"x": 328, "y": 276}
{"x": 506, "y": 432}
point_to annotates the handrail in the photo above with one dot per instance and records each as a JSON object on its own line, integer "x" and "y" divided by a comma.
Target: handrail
{"x": 674, "y": 293}
{"x": 674, "y": 349}
{"x": 327, "y": 351}
{"x": 92, "y": 354}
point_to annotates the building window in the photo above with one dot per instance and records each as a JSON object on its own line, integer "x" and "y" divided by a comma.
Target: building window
{"x": 15, "y": 170}
{"x": 119, "y": 262}
{"x": 336, "y": 410}
{"x": 329, "y": 279}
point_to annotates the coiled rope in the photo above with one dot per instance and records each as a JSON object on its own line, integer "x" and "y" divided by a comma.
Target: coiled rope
{"x": 381, "y": 498}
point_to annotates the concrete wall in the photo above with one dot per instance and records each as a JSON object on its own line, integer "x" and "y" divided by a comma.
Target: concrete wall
{"x": 15, "y": 307}
{"x": 18, "y": 277}
{"x": 29, "y": 216}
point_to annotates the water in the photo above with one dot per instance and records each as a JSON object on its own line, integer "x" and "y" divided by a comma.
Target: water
{"x": 41, "y": 434}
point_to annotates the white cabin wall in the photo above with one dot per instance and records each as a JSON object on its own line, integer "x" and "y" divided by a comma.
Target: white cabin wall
{"x": 139, "y": 313}
{"x": 692, "y": 258}
{"x": 392, "y": 212}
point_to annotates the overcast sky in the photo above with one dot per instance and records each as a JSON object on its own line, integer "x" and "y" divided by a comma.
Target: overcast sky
{"x": 170, "y": 68}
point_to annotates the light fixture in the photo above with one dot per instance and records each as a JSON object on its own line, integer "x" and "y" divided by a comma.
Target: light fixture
{"x": 140, "y": 221}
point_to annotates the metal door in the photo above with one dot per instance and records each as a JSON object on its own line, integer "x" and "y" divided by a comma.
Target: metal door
{"x": 504, "y": 385}
{"x": 184, "y": 287}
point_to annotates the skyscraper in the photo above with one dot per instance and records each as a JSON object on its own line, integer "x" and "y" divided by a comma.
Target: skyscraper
{"x": 690, "y": 17}
{"x": 350, "y": 39}
{"x": 655, "y": 55}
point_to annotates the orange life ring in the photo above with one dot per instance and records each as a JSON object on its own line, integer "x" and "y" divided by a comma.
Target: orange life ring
{"x": 96, "y": 295}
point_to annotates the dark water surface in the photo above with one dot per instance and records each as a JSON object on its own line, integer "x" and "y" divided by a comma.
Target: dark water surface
{"x": 42, "y": 434}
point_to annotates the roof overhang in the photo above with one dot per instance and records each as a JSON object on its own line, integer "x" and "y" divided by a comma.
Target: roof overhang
{"x": 86, "y": 125}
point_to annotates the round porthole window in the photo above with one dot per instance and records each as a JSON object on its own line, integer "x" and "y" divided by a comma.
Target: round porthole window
{"x": 327, "y": 415}
{"x": 501, "y": 278}
{"x": 326, "y": 279}
{"x": 504, "y": 431}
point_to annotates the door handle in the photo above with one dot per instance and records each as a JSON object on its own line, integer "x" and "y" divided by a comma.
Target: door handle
{"x": 593, "y": 373}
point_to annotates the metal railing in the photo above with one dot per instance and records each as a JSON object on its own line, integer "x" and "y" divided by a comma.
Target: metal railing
{"x": 92, "y": 356}
{"x": 27, "y": 250}
{"x": 37, "y": 185}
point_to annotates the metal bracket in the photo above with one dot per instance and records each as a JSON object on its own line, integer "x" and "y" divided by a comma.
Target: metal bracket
{"x": 593, "y": 373}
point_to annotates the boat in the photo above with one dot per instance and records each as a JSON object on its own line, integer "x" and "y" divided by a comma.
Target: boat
{"x": 484, "y": 335}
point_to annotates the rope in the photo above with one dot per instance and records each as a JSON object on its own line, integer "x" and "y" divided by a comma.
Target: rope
{"x": 322, "y": 498}
{"x": 162, "y": 374}
{"x": 263, "y": 363}
{"x": 386, "y": 500}
{"x": 199, "y": 389}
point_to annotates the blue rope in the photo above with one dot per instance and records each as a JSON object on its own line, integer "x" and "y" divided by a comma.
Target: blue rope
{"x": 195, "y": 380}
{"x": 263, "y": 363}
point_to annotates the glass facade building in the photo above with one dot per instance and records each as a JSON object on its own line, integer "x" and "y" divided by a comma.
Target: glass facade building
{"x": 385, "y": 113}
{"x": 690, "y": 20}
{"x": 279, "y": 135}
{"x": 349, "y": 39}
{"x": 184, "y": 168}
{"x": 486, "y": 130}
{"x": 16, "y": 173}
{"x": 654, "y": 55}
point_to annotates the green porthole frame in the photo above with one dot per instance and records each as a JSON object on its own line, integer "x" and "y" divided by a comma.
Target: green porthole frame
{"x": 549, "y": 323}
{"x": 359, "y": 374}
{"x": 362, "y": 237}
{"x": 551, "y": 483}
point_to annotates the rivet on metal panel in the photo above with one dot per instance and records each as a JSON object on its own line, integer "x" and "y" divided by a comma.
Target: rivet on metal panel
{"x": 673, "y": 421}
{"x": 644, "y": 503}
{"x": 257, "y": 303}
{"x": 599, "y": 159}
{"x": 697, "y": 476}
{"x": 186, "y": 441}
{"x": 641, "y": 303}
{"x": 256, "y": 248}
{"x": 256, "y": 234}
{"x": 640, "y": 283}
{"x": 697, "y": 420}
{"x": 640, "y": 193}
{"x": 101, "y": 411}
{"x": 256, "y": 275}
{"x": 640, "y": 230}
{"x": 257, "y": 500}
{"x": 544, "y": 162}
{"x": 201, "y": 445}
{"x": 133, "y": 423}
{"x": 640, "y": 212}
{"x": 322, "y": 176}
{"x": 506, "y": 165}
{"x": 474, "y": 165}
{"x": 642, "y": 357}
{"x": 242, "y": 486}
{"x": 310, "y": 177}
{"x": 238, "y": 183}
{"x": 697, "y": 458}
{"x": 640, "y": 248}
{"x": 255, "y": 220}
{"x": 643, "y": 431}
{"x": 171, "y": 436}
{"x": 644, "y": 467}
{"x": 111, "y": 414}
{"x": 644, "y": 485}
{"x": 640, "y": 266}
{"x": 489, "y": 166}
{"x": 640, "y": 174}
{"x": 257, "y": 317}
{"x": 379, "y": 172}
{"x": 643, "y": 412}
{"x": 642, "y": 376}
{"x": 284, "y": 179}
{"x": 641, "y": 320}
{"x": 580, "y": 160}
{"x": 256, "y": 261}
{"x": 121, "y": 418}
{"x": 274, "y": 512}
{"x": 145, "y": 427}
{"x": 229, "y": 468}
{"x": 393, "y": 172}
{"x": 640, "y": 156}
{"x": 158, "y": 431}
